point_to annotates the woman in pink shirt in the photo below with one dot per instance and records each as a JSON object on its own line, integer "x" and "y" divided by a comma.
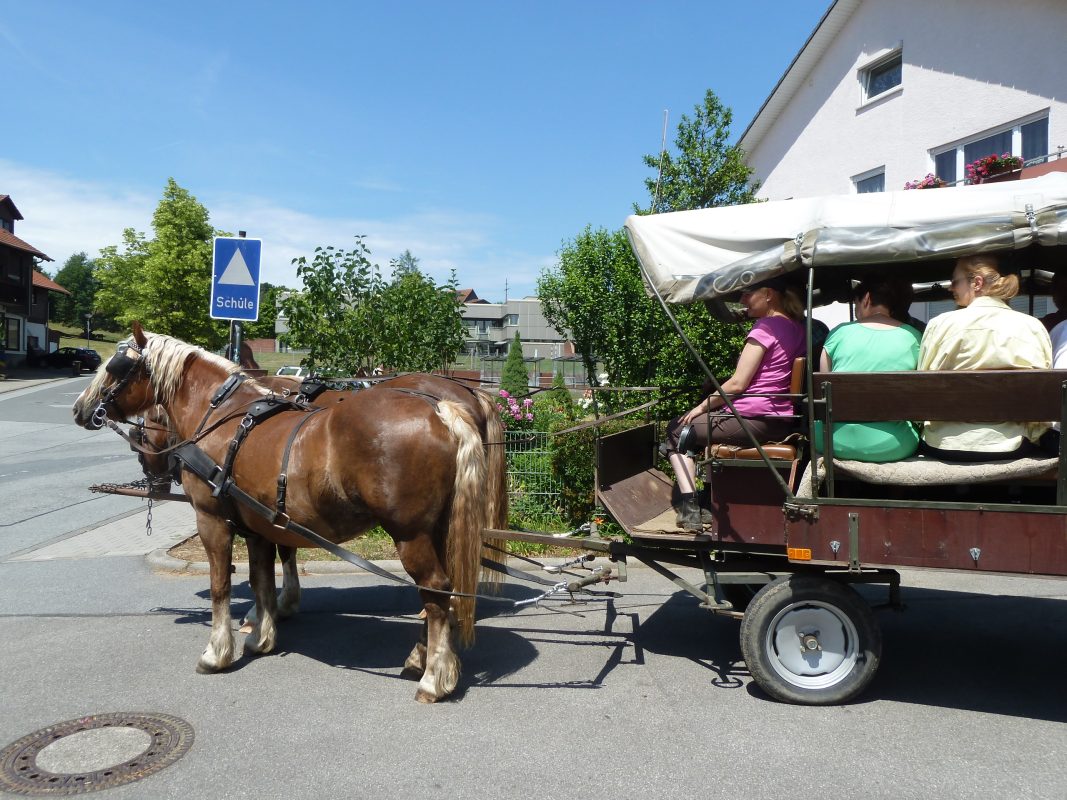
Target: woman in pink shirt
{"x": 764, "y": 368}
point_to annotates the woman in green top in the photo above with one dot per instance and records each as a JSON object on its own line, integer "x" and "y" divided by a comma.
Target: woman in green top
{"x": 876, "y": 342}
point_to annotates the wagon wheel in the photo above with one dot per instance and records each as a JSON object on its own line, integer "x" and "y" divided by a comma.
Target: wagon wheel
{"x": 810, "y": 640}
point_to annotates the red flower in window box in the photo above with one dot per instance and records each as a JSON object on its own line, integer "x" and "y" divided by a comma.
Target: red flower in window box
{"x": 990, "y": 166}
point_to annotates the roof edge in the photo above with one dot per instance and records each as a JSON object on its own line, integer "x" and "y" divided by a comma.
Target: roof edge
{"x": 783, "y": 90}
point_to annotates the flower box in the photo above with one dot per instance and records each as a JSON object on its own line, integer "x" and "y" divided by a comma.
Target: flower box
{"x": 994, "y": 168}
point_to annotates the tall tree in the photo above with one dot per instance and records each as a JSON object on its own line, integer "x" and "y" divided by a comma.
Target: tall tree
{"x": 596, "y": 295}
{"x": 406, "y": 263}
{"x": 596, "y": 291}
{"x": 165, "y": 282}
{"x": 335, "y": 316}
{"x": 76, "y": 276}
{"x": 705, "y": 170}
{"x": 514, "y": 379}
{"x": 178, "y": 270}
{"x": 119, "y": 272}
{"x": 422, "y": 328}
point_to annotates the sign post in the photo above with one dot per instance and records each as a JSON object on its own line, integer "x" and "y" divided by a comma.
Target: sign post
{"x": 235, "y": 284}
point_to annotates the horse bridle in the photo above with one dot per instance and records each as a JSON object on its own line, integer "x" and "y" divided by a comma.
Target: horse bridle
{"x": 122, "y": 367}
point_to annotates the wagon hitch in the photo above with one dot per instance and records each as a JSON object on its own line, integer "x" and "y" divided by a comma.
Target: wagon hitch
{"x": 598, "y": 575}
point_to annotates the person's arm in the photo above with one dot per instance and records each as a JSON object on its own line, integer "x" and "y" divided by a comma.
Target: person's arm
{"x": 747, "y": 366}
{"x": 825, "y": 364}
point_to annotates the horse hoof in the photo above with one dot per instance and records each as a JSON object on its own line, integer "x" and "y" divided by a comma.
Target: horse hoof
{"x": 252, "y": 649}
{"x": 424, "y": 696}
{"x": 411, "y": 673}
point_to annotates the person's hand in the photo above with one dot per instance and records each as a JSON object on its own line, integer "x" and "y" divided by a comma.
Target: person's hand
{"x": 695, "y": 413}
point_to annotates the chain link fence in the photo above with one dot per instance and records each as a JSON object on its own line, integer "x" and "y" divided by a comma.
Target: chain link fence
{"x": 533, "y": 491}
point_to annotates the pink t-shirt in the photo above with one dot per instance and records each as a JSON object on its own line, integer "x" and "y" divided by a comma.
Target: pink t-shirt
{"x": 783, "y": 340}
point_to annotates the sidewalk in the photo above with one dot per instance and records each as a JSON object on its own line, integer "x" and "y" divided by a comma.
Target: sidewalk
{"x": 26, "y": 377}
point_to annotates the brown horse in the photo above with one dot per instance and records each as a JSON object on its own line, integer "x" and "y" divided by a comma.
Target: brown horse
{"x": 392, "y": 457}
{"x": 157, "y": 438}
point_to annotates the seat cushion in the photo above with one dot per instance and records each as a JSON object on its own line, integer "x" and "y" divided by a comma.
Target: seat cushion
{"x": 724, "y": 452}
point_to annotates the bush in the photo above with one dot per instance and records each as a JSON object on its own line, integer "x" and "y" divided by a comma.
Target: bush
{"x": 513, "y": 378}
{"x": 574, "y": 463}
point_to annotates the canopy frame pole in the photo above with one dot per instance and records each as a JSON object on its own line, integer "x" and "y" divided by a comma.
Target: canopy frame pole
{"x": 718, "y": 387}
{"x": 809, "y": 389}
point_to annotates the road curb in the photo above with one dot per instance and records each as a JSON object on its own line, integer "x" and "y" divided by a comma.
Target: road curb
{"x": 161, "y": 561}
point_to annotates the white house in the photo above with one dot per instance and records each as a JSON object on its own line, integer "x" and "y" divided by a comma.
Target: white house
{"x": 886, "y": 91}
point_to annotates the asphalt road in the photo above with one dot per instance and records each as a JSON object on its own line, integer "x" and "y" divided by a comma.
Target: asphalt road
{"x": 642, "y": 696}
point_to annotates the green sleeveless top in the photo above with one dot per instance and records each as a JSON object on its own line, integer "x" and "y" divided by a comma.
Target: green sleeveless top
{"x": 854, "y": 347}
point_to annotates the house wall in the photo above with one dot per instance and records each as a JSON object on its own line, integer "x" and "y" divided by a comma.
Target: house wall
{"x": 969, "y": 66}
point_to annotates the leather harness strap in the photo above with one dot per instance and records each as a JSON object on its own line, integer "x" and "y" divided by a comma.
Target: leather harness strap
{"x": 283, "y": 474}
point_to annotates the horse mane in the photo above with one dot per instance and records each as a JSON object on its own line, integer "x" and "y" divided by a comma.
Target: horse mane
{"x": 166, "y": 360}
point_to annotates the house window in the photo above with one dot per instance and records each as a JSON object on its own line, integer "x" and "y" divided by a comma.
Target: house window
{"x": 511, "y": 319}
{"x": 1026, "y": 139}
{"x": 871, "y": 182}
{"x": 883, "y": 75}
{"x": 7, "y": 225}
{"x": 12, "y": 340}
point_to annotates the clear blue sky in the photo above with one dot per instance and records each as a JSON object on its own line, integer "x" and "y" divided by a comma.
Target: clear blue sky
{"x": 478, "y": 135}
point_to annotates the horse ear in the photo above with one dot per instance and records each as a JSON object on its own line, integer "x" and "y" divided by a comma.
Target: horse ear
{"x": 138, "y": 334}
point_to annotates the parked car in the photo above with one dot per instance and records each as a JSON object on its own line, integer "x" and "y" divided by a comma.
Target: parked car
{"x": 293, "y": 371}
{"x": 66, "y": 356}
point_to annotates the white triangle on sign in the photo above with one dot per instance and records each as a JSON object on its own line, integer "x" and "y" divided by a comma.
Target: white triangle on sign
{"x": 236, "y": 272}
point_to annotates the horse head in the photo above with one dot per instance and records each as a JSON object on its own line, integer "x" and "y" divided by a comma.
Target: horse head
{"x": 123, "y": 388}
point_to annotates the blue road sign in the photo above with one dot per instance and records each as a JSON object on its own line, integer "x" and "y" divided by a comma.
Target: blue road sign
{"x": 235, "y": 279}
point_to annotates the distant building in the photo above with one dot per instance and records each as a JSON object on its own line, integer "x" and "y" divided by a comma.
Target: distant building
{"x": 24, "y": 292}
{"x": 491, "y": 329}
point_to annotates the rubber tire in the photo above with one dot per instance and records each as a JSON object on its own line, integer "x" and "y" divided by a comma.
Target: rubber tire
{"x": 816, "y": 602}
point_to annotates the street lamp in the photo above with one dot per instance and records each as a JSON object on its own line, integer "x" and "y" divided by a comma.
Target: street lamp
{"x": 88, "y": 318}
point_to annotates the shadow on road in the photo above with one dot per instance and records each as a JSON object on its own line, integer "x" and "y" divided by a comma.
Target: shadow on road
{"x": 977, "y": 652}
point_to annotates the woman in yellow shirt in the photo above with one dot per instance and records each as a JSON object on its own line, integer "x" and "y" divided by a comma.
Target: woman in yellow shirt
{"x": 983, "y": 333}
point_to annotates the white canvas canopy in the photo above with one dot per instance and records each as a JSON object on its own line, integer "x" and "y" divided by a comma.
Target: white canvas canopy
{"x": 711, "y": 253}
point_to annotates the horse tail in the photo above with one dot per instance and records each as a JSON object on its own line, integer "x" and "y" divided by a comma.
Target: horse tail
{"x": 469, "y": 514}
{"x": 496, "y": 488}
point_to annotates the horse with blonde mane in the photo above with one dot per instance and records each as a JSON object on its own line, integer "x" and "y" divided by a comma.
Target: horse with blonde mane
{"x": 391, "y": 456}
{"x": 155, "y": 440}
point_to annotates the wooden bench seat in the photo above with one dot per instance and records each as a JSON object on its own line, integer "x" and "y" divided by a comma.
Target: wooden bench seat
{"x": 978, "y": 396}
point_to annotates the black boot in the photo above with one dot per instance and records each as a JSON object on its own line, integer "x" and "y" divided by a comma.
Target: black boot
{"x": 691, "y": 517}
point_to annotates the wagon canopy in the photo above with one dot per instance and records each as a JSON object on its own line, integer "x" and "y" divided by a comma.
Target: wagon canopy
{"x": 712, "y": 254}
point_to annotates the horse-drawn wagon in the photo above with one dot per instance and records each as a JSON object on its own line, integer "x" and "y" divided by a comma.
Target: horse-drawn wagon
{"x": 792, "y": 532}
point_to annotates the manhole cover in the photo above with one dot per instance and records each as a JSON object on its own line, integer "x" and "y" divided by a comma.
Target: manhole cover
{"x": 92, "y": 753}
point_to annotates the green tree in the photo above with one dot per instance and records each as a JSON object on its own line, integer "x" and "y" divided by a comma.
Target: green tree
{"x": 263, "y": 328}
{"x": 596, "y": 295}
{"x": 335, "y": 316}
{"x": 177, "y": 271}
{"x": 119, "y": 273}
{"x": 706, "y": 170}
{"x": 514, "y": 379}
{"x": 407, "y": 263}
{"x": 422, "y": 328}
{"x": 596, "y": 292}
{"x": 76, "y": 276}
{"x": 164, "y": 282}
